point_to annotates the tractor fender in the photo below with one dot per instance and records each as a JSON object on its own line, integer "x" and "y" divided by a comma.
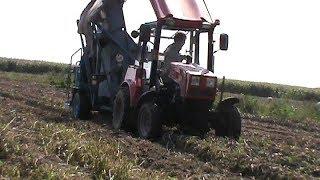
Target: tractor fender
{"x": 134, "y": 92}
{"x": 127, "y": 84}
{"x": 228, "y": 102}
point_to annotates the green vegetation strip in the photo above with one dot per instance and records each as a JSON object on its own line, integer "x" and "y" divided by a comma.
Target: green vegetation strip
{"x": 31, "y": 67}
{"x": 232, "y": 86}
{"x": 56, "y": 80}
{"x": 272, "y": 90}
{"x": 282, "y": 109}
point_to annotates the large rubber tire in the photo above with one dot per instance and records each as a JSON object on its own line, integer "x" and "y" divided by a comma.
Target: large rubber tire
{"x": 81, "y": 106}
{"x": 229, "y": 123}
{"x": 121, "y": 109}
{"x": 149, "y": 121}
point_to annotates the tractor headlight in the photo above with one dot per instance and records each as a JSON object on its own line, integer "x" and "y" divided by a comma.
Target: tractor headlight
{"x": 195, "y": 81}
{"x": 211, "y": 82}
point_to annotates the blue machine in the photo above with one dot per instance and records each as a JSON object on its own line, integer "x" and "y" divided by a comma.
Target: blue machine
{"x": 107, "y": 52}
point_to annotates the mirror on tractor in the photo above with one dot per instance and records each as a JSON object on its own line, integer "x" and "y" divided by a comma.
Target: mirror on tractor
{"x": 135, "y": 34}
{"x": 224, "y": 42}
{"x": 145, "y": 32}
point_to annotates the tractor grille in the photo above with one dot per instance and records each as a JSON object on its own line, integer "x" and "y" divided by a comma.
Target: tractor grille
{"x": 196, "y": 93}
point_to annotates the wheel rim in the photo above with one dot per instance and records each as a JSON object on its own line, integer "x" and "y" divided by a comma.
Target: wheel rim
{"x": 118, "y": 113}
{"x": 145, "y": 122}
{"x": 76, "y": 106}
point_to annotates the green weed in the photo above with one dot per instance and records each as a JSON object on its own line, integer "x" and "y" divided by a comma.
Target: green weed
{"x": 282, "y": 109}
{"x": 271, "y": 90}
{"x": 249, "y": 104}
{"x": 32, "y": 67}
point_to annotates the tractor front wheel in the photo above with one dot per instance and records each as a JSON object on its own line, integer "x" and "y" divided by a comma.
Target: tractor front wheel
{"x": 121, "y": 109}
{"x": 149, "y": 121}
{"x": 229, "y": 122}
{"x": 80, "y": 106}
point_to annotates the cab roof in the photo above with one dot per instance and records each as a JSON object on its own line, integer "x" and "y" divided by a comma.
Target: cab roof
{"x": 185, "y": 13}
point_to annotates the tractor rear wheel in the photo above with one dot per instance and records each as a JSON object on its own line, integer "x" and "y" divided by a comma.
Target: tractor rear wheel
{"x": 229, "y": 122}
{"x": 80, "y": 106}
{"x": 149, "y": 121}
{"x": 121, "y": 109}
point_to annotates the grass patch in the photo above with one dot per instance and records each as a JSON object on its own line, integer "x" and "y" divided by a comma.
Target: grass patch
{"x": 41, "y": 150}
{"x": 77, "y": 150}
{"x": 258, "y": 157}
{"x": 272, "y": 90}
{"x": 283, "y": 109}
{"x": 57, "y": 80}
{"x": 31, "y": 67}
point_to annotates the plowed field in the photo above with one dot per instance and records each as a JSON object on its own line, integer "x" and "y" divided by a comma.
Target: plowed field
{"x": 39, "y": 139}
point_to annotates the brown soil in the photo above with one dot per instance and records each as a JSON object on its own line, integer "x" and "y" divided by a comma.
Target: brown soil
{"x": 267, "y": 148}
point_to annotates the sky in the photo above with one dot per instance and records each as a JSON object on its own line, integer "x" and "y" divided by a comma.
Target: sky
{"x": 270, "y": 40}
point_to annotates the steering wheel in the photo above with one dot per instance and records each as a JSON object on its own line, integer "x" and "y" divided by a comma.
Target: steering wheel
{"x": 188, "y": 59}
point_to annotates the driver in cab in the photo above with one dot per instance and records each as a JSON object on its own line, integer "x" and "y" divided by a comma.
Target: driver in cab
{"x": 172, "y": 53}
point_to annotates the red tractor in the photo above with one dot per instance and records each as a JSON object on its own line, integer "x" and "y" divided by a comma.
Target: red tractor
{"x": 146, "y": 98}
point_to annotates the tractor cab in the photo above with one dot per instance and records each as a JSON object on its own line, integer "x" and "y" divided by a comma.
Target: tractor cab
{"x": 194, "y": 80}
